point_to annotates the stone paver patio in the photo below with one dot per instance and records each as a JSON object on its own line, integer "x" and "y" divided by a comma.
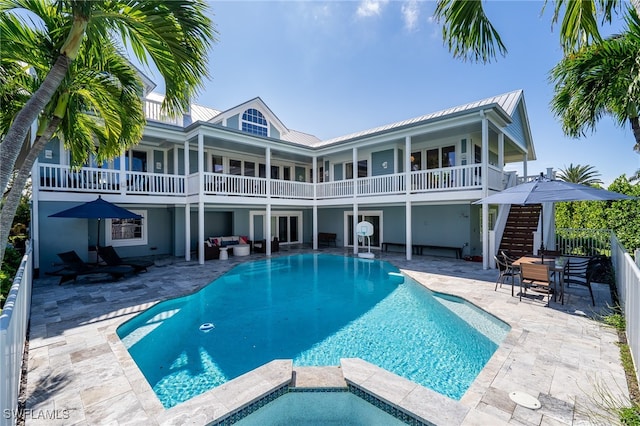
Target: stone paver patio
{"x": 80, "y": 373}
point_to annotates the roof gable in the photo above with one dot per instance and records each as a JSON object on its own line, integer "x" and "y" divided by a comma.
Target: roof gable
{"x": 255, "y": 103}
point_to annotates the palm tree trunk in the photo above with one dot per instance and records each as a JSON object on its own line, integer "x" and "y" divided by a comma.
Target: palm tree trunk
{"x": 635, "y": 127}
{"x": 15, "y": 137}
{"x": 12, "y": 199}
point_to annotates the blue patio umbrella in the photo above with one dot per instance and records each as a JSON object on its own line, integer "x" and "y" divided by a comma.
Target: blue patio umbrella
{"x": 543, "y": 190}
{"x": 97, "y": 209}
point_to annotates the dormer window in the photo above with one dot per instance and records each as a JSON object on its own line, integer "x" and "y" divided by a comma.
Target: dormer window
{"x": 254, "y": 122}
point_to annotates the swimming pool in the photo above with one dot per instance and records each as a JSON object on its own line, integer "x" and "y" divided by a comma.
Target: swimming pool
{"x": 314, "y": 309}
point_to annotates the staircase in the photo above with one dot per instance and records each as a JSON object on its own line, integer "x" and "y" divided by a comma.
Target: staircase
{"x": 522, "y": 222}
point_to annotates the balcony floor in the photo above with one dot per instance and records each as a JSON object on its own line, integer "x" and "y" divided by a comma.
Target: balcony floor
{"x": 79, "y": 368}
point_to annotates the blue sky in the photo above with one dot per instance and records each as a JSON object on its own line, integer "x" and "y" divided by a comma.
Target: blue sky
{"x": 333, "y": 68}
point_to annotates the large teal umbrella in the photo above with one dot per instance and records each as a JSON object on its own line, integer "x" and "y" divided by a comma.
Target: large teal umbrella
{"x": 98, "y": 209}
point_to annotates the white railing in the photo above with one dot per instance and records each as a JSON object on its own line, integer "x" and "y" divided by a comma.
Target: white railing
{"x": 381, "y": 185}
{"x": 62, "y": 178}
{"x": 496, "y": 178}
{"x": 154, "y": 183}
{"x": 14, "y": 320}
{"x": 87, "y": 179}
{"x": 153, "y": 111}
{"x": 339, "y": 188}
{"x": 291, "y": 189}
{"x": 221, "y": 184}
{"x": 447, "y": 178}
{"x": 628, "y": 287}
{"x": 583, "y": 241}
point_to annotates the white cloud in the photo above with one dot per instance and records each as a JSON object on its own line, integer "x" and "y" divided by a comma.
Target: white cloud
{"x": 369, "y": 8}
{"x": 410, "y": 14}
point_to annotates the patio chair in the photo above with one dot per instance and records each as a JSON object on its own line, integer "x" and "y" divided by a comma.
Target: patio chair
{"x": 73, "y": 266}
{"x": 111, "y": 258}
{"x": 506, "y": 270}
{"x": 581, "y": 272}
{"x": 537, "y": 277}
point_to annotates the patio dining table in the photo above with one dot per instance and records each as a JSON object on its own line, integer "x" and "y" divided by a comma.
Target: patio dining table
{"x": 557, "y": 266}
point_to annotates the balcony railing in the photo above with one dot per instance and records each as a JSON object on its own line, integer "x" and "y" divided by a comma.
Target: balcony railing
{"x": 55, "y": 177}
{"x": 87, "y": 179}
{"x": 153, "y": 111}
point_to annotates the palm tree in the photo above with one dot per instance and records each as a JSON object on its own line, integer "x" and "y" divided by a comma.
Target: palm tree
{"x": 174, "y": 34}
{"x": 600, "y": 80}
{"x": 97, "y": 101}
{"x": 469, "y": 34}
{"x": 585, "y": 175}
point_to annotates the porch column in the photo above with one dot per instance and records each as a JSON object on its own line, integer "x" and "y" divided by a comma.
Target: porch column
{"x": 267, "y": 160}
{"x": 187, "y": 207}
{"x": 122, "y": 177}
{"x": 485, "y": 191}
{"x": 314, "y": 236}
{"x": 501, "y": 154}
{"x": 524, "y": 165}
{"x": 187, "y": 232}
{"x": 407, "y": 207}
{"x": 200, "y": 199}
{"x": 355, "y": 201}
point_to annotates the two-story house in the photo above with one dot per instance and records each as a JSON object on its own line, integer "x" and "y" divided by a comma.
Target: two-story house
{"x": 242, "y": 171}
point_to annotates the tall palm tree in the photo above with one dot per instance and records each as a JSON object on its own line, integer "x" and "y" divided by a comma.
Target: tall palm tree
{"x": 600, "y": 80}
{"x": 470, "y": 35}
{"x": 585, "y": 175}
{"x": 95, "y": 110}
{"x": 174, "y": 34}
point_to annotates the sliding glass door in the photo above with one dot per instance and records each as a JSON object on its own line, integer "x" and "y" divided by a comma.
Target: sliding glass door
{"x": 373, "y": 217}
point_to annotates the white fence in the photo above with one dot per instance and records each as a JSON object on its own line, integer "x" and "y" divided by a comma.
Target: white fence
{"x": 14, "y": 321}
{"x": 583, "y": 241}
{"x": 628, "y": 285}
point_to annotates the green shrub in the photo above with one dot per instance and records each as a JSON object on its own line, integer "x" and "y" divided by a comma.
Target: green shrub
{"x": 12, "y": 259}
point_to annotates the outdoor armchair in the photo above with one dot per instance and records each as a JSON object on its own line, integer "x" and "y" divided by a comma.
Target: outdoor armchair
{"x": 537, "y": 277}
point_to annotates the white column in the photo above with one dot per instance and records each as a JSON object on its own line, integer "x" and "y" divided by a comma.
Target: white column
{"x": 524, "y": 165}
{"x": 501, "y": 154}
{"x": 122, "y": 177}
{"x": 407, "y": 207}
{"x": 315, "y": 226}
{"x": 187, "y": 207}
{"x": 267, "y": 160}
{"x": 355, "y": 201}
{"x": 187, "y": 232}
{"x": 200, "y": 199}
{"x": 485, "y": 191}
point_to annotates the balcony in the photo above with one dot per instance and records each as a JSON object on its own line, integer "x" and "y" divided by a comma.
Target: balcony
{"x": 97, "y": 180}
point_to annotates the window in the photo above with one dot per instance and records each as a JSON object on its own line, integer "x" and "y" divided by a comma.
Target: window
{"x": 441, "y": 157}
{"x": 416, "y": 160}
{"x": 235, "y": 167}
{"x": 254, "y": 122}
{"x": 249, "y": 168}
{"x": 216, "y": 161}
{"x": 286, "y": 173}
{"x": 275, "y": 172}
{"x": 127, "y": 232}
{"x": 348, "y": 171}
{"x": 262, "y": 171}
{"x": 362, "y": 168}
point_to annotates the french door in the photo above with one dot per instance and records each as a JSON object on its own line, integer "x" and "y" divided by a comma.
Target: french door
{"x": 373, "y": 217}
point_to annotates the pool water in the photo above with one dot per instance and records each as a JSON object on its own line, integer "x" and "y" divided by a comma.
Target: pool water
{"x": 314, "y": 309}
{"x": 320, "y": 408}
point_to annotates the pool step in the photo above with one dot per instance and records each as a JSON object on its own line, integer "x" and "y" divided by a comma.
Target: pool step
{"x": 318, "y": 377}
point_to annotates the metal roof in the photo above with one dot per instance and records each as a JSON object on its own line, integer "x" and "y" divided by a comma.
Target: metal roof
{"x": 507, "y": 101}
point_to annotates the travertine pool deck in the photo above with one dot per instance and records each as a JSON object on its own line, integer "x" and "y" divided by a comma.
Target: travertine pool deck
{"x": 80, "y": 373}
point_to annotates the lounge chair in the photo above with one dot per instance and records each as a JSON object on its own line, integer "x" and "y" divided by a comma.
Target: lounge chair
{"x": 73, "y": 266}
{"x": 111, "y": 258}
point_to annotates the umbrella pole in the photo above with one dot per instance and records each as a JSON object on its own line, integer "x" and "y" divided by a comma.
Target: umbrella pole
{"x": 98, "y": 243}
